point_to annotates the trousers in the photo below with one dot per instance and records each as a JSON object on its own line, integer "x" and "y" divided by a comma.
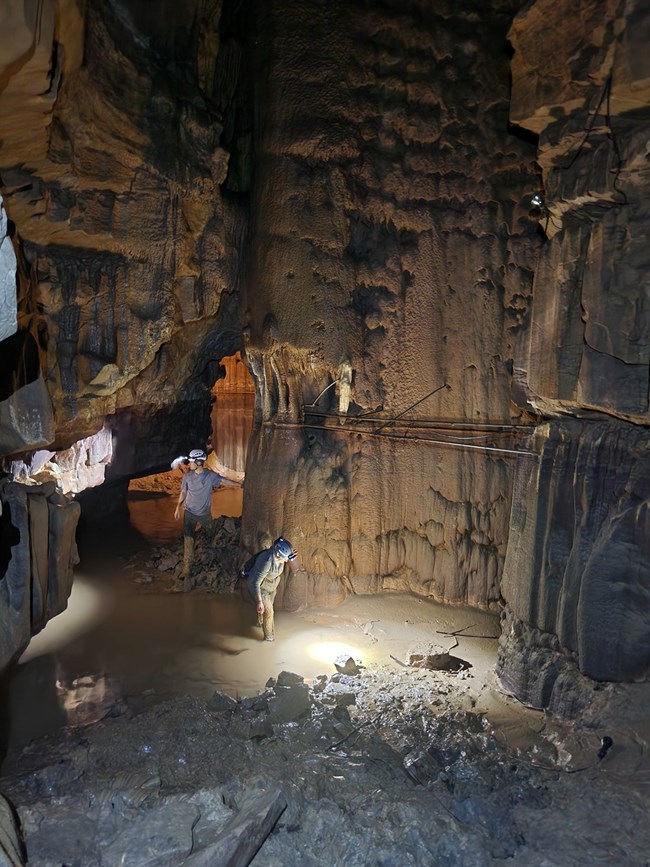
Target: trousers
{"x": 267, "y": 618}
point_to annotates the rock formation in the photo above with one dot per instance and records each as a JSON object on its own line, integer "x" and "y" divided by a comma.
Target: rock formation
{"x": 451, "y": 375}
{"x": 576, "y": 579}
{"x": 391, "y": 249}
{"x": 37, "y": 533}
{"x": 120, "y": 255}
{"x": 113, "y": 174}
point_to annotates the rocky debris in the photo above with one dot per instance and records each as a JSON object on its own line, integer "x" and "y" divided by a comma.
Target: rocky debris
{"x": 408, "y": 774}
{"x": 346, "y": 665}
{"x": 241, "y": 840}
{"x": 289, "y": 703}
{"x": 11, "y": 854}
{"x": 220, "y": 702}
{"x": 439, "y": 662}
{"x": 216, "y": 558}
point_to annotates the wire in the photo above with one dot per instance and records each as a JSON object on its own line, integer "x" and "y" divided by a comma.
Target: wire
{"x": 403, "y": 437}
{"x": 413, "y": 405}
{"x": 322, "y": 393}
{"x": 437, "y": 423}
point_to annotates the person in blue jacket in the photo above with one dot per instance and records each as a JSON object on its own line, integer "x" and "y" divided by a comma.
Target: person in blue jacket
{"x": 196, "y": 497}
{"x": 261, "y": 576}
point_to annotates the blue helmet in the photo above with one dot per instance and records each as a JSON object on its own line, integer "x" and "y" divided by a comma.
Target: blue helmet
{"x": 283, "y": 549}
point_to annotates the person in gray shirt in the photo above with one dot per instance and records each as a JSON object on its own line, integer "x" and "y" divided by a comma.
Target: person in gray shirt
{"x": 196, "y": 497}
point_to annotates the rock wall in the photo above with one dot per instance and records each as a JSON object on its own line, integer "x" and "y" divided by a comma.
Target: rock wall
{"x": 390, "y": 270}
{"x": 37, "y": 555}
{"x": 113, "y": 169}
{"x": 576, "y": 579}
{"x": 589, "y": 296}
{"x": 123, "y": 176}
{"x": 577, "y": 565}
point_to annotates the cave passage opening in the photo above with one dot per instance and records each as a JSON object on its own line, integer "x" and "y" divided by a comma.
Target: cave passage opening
{"x": 152, "y": 498}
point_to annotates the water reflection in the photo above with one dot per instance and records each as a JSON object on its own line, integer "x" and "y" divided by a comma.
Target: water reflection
{"x": 76, "y": 672}
{"x": 151, "y": 513}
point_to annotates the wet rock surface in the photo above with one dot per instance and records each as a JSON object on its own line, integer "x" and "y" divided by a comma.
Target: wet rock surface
{"x": 385, "y": 766}
{"x": 36, "y": 576}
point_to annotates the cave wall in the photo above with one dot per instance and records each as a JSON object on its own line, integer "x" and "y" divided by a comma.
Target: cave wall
{"x": 114, "y": 171}
{"x": 577, "y": 566}
{"x": 38, "y": 552}
{"x": 590, "y": 289}
{"x": 576, "y": 580}
{"x": 123, "y": 173}
{"x": 391, "y": 250}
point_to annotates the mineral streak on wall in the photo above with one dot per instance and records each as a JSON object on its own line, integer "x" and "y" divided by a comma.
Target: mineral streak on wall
{"x": 391, "y": 255}
{"x": 576, "y": 576}
{"x": 577, "y": 568}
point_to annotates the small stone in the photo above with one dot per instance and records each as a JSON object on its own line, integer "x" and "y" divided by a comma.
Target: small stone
{"x": 346, "y": 665}
{"x": 220, "y": 701}
{"x": 143, "y": 579}
{"x": 288, "y": 678}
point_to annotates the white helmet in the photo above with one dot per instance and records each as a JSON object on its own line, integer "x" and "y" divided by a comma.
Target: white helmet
{"x": 197, "y": 455}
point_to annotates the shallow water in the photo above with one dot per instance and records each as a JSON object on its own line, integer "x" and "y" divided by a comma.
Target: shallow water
{"x": 116, "y": 642}
{"x": 151, "y": 513}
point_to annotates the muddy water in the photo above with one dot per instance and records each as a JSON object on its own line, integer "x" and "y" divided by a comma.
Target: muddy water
{"x": 117, "y": 643}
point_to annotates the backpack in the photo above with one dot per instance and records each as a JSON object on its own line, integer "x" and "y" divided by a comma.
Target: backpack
{"x": 248, "y": 565}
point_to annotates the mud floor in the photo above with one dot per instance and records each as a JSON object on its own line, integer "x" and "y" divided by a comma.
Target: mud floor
{"x": 374, "y": 733}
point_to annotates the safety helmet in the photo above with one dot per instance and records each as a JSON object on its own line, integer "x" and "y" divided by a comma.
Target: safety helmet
{"x": 283, "y": 549}
{"x": 197, "y": 455}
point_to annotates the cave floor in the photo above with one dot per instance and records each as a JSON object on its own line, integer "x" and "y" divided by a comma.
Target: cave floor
{"x": 198, "y": 730}
{"x": 153, "y": 727}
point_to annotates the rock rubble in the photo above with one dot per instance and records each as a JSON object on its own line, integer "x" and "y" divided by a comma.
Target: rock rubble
{"x": 384, "y": 766}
